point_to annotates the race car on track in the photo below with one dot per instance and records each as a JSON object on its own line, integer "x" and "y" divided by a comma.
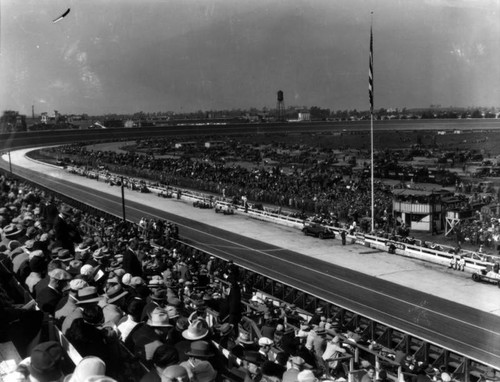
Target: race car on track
{"x": 202, "y": 204}
{"x": 226, "y": 209}
{"x": 488, "y": 275}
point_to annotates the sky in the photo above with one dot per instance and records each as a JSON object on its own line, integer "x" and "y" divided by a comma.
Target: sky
{"x": 126, "y": 56}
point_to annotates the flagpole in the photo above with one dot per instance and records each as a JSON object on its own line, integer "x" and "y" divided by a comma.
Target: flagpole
{"x": 373, "y": 198}
{"x": 370, "y": 91}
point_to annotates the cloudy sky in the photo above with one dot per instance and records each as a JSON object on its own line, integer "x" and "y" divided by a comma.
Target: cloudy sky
{"x": 124, "y": 56}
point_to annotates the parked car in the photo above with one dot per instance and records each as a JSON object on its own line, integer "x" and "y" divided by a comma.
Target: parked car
{"x": 224, "y": 208}
{"x": 318, "y": 230}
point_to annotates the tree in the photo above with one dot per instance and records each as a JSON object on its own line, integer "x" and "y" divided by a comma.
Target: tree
{"x": 477, "y": 114}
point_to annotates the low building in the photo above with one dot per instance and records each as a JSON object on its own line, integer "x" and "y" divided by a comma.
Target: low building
{"x": 185, "y": 145}
{"x": 214, "y": 144}
{"x": 420, "y": 210}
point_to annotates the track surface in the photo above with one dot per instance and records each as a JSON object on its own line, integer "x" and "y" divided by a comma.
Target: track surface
{"x": 464, "y": 330}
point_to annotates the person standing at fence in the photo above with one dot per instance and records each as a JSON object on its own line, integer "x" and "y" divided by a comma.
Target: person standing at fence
{"x": 131, "y": 262}
{"x": 66, "y": 232}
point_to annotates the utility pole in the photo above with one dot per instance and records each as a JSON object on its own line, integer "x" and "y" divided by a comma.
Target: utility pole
{"x": 123, "y": 200}
{"x": 10, "y": 164}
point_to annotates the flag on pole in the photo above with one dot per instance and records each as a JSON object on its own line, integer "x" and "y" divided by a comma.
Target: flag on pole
{"x": 370, "y": 73}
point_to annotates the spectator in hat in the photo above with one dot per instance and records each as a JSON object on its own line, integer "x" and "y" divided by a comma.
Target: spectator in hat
{"x": 143, "y": 339}
{"x": 66, "y": 233}
{"x": 269, "y": 326}
{"x": 225, "y": 336}
{"x": 272, "y": 371}
{"x": 303, "y": 351}
{"x": 243, "y": 344}
{"x": 369, "y": 375}
{"x": 160, "y": 321}
{"x": 163, "y": 357}
{"x": 45, "y": 363}
{"x": 133, "y": 310}
{"x": 86, "y": 296}
{"x": 38, "y": 269}
{"x": 198, "y": 367}
{"x": 48, "y": 297}
{"x": 201, "y": 312}
{"x": 74, "y": 267}
{"x": 65, "y": 310}
{"x": 265, "y": 345}
{"x": 319, "y": 342}
{"x": 88, "y": 337}
{"x": 297, "y": 364}
{"x": 131, "y": 262}
{"x": 181, "y": 324}
{"x": 334, "y": 349}
{"x": 250, "y": 367}
{"x": 90, "y": 366}
{"x": 175, "y": 373}
{"x": 43, "y": 283}
{"x": 112, "y": 303}
{"x": 316, "y": 318}
{"x": 197, "y": 330}
{"x": 156, "y": 300}
{"x": 306, "y": 376}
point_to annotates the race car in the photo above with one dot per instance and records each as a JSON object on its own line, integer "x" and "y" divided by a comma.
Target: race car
{"x": 488, "y": 275}
{"x": 315, "y": 229}
{"x": 202, "y": 204}
{"x": 226, "y": 209}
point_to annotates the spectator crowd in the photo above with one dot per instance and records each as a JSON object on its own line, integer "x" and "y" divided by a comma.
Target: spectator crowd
{"x": 137, "y": 305}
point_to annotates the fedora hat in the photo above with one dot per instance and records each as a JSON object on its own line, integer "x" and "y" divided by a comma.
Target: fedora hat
{"x": 88, "y": 295}
{"x": 115, "y": 292}
{"x": 225, "y": 329}
{"x": 59, "y": 274}
{"x": 74, "y": 267}
{"x": 252, "y": 356}
{"x": 244, "y": 338}
{"x": 64, "y": 255}
{"x": 66, "y": 210}
{"x": 156, "y": 282}
{"x": 159, "y": 318}
{"x": 98, "y": 254}
{"x": 87, "y": 367}
{"x": 197, "y": 330}
{"x": 11, "y": 231}
{"x": 46, "y": 361}
{"x": 199, "y": 349}
{"x": 172, "y": 311}
{"x": 77, "y": 284}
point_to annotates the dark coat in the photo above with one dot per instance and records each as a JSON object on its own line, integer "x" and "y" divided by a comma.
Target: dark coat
{"x": 131, "y": 263}
{"x": 48, "y": 299}
{"x": 140, "y": 340}
{"x": 66, "y": 234}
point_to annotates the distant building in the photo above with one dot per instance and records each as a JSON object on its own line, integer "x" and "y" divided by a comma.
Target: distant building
{"x": 304, "y": 115}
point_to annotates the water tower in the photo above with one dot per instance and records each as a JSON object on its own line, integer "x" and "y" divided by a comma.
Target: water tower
{"x": 280, "y": 107}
